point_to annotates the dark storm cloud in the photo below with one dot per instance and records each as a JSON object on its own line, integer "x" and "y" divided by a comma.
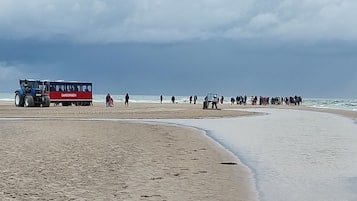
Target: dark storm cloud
{"x": 106, "y": 21}
{"x": 275, "y": 47}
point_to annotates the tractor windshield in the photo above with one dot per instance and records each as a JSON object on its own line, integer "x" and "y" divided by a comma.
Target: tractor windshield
{"x": 31, "y": 84}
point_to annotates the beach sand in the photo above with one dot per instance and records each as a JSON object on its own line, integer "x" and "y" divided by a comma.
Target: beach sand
{"x": 75, "y": 153}
{"x": 66, "y": 153}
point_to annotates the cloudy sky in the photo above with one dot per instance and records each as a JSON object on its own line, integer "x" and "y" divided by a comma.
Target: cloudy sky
{"x": 170, "y": 47}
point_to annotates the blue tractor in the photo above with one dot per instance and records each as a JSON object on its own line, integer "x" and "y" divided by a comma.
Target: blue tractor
{"x": 32, "y": 93}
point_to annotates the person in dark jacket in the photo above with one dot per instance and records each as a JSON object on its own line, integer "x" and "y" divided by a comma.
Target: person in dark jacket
{"x": 127, "y": 99}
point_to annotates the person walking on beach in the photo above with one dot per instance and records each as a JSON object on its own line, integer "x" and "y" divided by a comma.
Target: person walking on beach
{"x": 232, "y": 100}
{"x": 111, "y": 102}
{"x": 205, "y": 103}
{"x": 214, "y": 102}
{"x": 161, "y": 99}
{"x": 190, "y": 99}
{"x": 194, "y": 99}
{"x": 127, "y": 99}
{"x": 173, "y": 99}
{"x": 107, "y": 99}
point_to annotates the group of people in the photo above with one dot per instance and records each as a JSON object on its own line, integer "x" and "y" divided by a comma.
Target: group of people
{"x": 173, "y": 99}
{"x": 296, "y": 100}
{"x": 109, "y": 101}
{"x": 213, "y": 99}
{"x": 194, "y": 99}
{"x": 239, "y": 100}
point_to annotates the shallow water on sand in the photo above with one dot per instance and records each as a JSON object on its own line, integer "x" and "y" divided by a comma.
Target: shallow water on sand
{"x": 294, "y": 155}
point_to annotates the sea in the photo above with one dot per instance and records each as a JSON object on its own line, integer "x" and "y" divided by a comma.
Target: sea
{"x": 293, "y": 155}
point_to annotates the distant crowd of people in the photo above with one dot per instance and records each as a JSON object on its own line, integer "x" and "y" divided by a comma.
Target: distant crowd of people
{"x": 254, "y": 100}
{"x": 214, "y": 100}
{"x": 296, "y": 100}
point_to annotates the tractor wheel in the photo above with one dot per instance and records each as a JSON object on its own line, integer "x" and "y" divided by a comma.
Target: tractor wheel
{"x": 29, "y": 102}
{"x": 46, "y": 101}
{"x": 19, "y": 101}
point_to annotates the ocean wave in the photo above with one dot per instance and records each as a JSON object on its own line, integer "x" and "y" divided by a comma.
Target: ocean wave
{"x": 6, "y": 99}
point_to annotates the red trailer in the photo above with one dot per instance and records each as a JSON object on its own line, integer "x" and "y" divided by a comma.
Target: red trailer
{"x": 69, "y": 92}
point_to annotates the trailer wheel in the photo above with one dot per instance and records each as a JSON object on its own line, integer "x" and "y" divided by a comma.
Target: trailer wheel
{"x": 66, "y": 103}
{"x": 29, "y": 102}
{"x": 19, "y": 101}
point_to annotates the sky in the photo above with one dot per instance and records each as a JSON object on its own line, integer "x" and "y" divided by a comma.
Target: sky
{"x": 170, "y": 47}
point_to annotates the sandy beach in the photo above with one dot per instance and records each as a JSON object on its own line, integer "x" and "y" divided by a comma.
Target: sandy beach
{"x": 66, "y": 153}
{"x": 78, "y": 153}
